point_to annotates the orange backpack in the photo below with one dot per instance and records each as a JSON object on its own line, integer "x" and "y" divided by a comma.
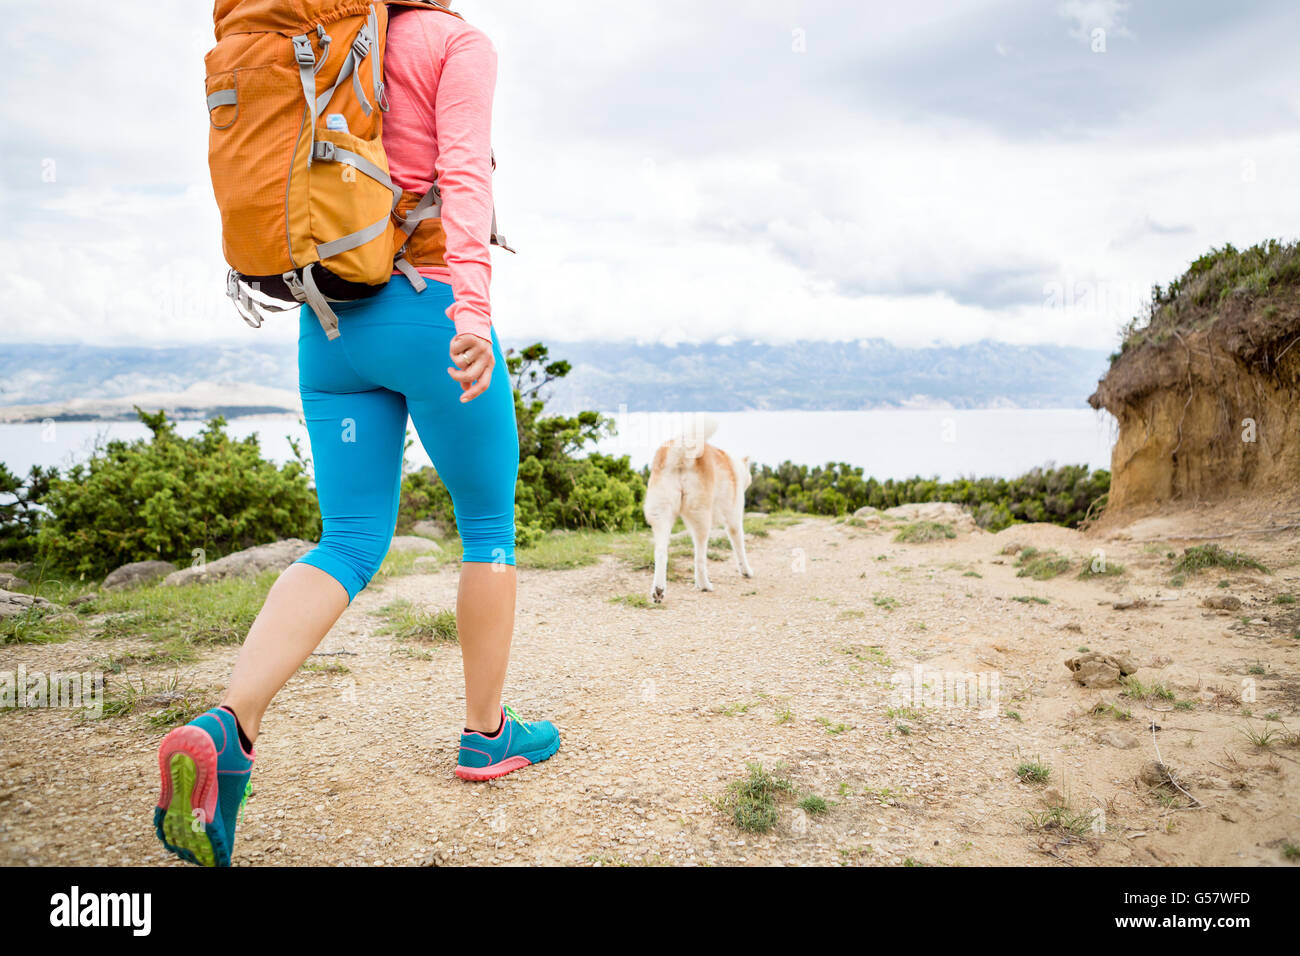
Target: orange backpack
{"x": 309, "y": 214}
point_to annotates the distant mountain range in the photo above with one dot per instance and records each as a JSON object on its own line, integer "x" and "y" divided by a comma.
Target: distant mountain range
{"x": 101, "y": 383}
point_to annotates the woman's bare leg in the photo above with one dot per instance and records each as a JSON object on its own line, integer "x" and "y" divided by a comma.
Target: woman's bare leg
{"x": 485, "y": 621}
{"x": 301, "y": 607}
{"x": 305, "y": 602}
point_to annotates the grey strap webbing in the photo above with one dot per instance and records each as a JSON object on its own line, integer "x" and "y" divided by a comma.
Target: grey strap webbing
{"x": 376, "y": 68}
{"x": 307, "y": 292}
{"x": 496, "y": 238}
{"x": 322, "y": 35}
{"x": 344, "y": 72}
{"x": 249, "y": 309}
{"x": 408, "y": 270}
{"x": 361, "y": 93}
{"x": 306, "y": 58}
{"x": 352, "y": 239}
{"x": 222, "y": 98}
{"x": 429, "y": 207}
{"x": 333, "y": 153}
{"x": 362, "y": 46}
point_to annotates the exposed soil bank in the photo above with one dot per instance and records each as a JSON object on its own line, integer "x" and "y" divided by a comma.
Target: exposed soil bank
{"x": 1208, "y": 398}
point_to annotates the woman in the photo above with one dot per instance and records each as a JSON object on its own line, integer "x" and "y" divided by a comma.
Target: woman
{"x": 357, "y": 391}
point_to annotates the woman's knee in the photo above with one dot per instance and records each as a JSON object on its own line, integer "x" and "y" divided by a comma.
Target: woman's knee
{"x": 487, "y": 539}
{"x": 351, "y": 560}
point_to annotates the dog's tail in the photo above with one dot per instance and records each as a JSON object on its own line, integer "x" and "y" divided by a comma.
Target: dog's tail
{"x": 689, "y": 445}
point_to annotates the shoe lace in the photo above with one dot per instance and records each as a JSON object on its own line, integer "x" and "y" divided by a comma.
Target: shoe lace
{"x": 519, "y": 721}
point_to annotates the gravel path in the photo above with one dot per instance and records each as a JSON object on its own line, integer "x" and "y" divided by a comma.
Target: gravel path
{"x": 659, "y": 708}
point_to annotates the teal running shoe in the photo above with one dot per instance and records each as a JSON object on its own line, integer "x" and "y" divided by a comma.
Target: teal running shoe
{"x": 517, "y": 744}
{"x": 205, "y": 784}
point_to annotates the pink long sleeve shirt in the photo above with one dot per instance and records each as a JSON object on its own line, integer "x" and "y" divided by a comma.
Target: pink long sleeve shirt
{"x": 440, "y": 74}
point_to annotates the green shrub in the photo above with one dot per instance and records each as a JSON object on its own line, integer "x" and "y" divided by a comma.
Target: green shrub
{"x": 1193, "y": 298}
{"x": 423, "y": 496}
{"x": 556, "y": 488}
{"x": 20, "y": 512}
{"x": 166, "y": 496}
{"x": 1059, "y": 496}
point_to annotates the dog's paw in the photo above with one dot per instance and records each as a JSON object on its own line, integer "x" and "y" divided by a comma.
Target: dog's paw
{"x": 657, "y": 595}
{"x": 706, "y": 586}
{"x": 748, "y": 572}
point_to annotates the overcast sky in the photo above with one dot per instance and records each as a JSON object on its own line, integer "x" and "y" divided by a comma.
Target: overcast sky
{"x": 922, "y": 171}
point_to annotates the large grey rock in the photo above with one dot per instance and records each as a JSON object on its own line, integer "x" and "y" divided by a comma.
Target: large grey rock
{"x": 248, "y": 563}
{"x": 428, "y": 528}
{"x": 944, "y": 511}
{"x": 137, "y": 572}
{"x": 8, "y": 581}
{"x": 412, "y": 544}
{"x": 12, "y": 603}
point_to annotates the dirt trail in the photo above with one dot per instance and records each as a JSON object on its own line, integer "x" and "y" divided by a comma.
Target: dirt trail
{"x": 660, "y": 708}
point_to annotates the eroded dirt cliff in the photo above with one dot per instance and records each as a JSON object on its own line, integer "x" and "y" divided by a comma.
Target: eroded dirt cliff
{"x": 1207, "y": 392}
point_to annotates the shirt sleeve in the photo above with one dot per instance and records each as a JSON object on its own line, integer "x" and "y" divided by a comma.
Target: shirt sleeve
{"x": 463, "y": 118}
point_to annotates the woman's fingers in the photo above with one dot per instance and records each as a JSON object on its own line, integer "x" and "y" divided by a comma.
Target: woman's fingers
{"x": 465, "y": 347}
{"x": 470, "y": 369}
{"x": 473, "y": 380}
{"x": 474, "y": 362}
{"x": 478, "y": 388}
{"x": 465, "y": 353}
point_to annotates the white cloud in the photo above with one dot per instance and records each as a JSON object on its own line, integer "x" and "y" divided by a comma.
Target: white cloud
{"x": 673, "y": 170}
{"x": 1090, "y": 15}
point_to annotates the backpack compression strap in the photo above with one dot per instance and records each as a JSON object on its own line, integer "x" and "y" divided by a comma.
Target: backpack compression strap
{"x": 250, "y": 310}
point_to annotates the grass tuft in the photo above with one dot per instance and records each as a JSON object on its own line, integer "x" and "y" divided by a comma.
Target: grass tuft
{"x": 813, "y": 804}
{"x": 637, "y": 601}
{"x": 410, "y": 623}
{"x": 1033, "y": 771}
{"x": 1204, "y": 556}
{"x": 923, "y": 532}
{"x": 164, "y": 705}
{"x": 1041, "y": 565}
{"x": 751, "y": 801}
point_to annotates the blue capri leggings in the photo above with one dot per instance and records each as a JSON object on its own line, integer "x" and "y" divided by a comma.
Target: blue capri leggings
{"x": 390, "y": 361}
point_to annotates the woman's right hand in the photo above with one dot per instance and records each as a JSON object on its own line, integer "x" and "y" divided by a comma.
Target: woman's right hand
{"x": 474, "y": 362}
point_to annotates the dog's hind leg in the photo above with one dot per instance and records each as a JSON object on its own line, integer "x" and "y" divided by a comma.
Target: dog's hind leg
{"x": 661, "y": 528}
{"x": 700, "y": 528}
{"x": 736, "y": 535}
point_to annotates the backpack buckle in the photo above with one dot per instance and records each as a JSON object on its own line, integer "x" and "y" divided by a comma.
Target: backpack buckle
{"x": 324, "y": 150}
{"x": 361, "y": 45}
{"x": 294, "y": 285}
{"x": 302, "y": 51}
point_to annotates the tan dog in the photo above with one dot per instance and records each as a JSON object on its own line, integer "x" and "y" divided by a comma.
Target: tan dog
{"x": 702, "y": 484}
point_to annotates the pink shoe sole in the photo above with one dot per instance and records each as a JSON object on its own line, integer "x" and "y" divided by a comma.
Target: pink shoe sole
{"x": 197, "y": 745}
{"x": 493, "y": 770}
